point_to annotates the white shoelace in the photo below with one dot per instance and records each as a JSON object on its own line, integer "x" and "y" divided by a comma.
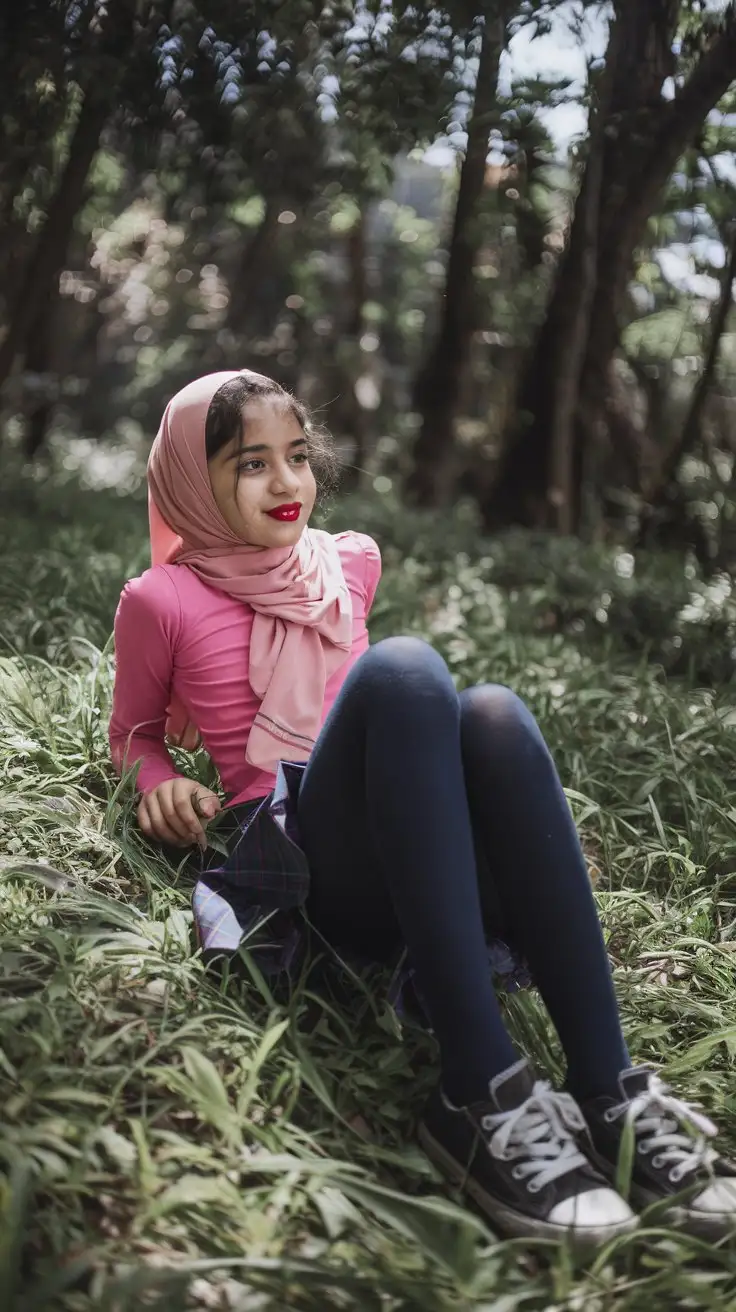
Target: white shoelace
{"x": 540, "y": 1134}
{"x": 658, "y": 1120}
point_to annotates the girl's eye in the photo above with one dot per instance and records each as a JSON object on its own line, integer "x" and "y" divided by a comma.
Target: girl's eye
{"x": 254, "y": 466}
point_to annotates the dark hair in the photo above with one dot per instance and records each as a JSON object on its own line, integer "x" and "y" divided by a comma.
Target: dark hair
{"x": 224, "y": 423}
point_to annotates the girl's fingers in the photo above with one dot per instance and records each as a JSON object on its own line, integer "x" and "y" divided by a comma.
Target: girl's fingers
{"x": 160, "y": 825}
{"x": 171, "y": 815}
{"x": 184, "y": 801}
{"x": 144, "y": 820}
{"x": 206, "y": 804}
{"x": 174, "y": 812}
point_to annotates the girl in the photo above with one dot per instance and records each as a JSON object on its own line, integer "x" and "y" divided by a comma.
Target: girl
{"x": 422, "y": 819}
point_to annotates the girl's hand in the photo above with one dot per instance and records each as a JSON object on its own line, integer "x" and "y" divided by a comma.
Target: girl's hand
{"x": 173, "y": 812}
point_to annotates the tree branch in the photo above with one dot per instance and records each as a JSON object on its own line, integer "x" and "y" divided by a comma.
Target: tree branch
{"x": 708, "y": 82}
{"x": 719, "y": 323}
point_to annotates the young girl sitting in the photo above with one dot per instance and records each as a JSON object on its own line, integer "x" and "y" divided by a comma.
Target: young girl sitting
{"x": 422, "y": 820}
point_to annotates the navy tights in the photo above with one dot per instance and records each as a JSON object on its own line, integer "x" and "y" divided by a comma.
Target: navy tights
{"x": 430, "y": 819}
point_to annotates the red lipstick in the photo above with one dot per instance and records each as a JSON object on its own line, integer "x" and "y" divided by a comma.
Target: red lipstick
{"x": 287, "y": 514}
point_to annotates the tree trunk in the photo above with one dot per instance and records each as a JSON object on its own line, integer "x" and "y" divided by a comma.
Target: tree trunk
{"x": 565, "y": 476}
{"x": 32, "y": 40}
{"x": 439, "y": 384}
{"x": 665, "y": 507}
{"x": 356, "y": 418}
{"x": 357, "y": 292}
{"x": 643, "y": 137}
{"x": 46, "y": 259}
{"x": 254, "y": 258}
{"x": 693, "y": 422}
{"x": 39, "y": 362}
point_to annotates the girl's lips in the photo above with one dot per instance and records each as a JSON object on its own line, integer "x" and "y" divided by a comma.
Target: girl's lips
{"x": 287, "y": 514}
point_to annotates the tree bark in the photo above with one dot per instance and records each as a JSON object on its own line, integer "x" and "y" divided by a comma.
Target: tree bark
{"x": 31, "y": 42}
{"x": 356, "y": 254}
{"x": 564, "y": 477}
{"x": 665, "y": 504}
{"x": 356, "y": 418}
{"x": 439, "y": 384}
{"x": 254, "y": 258}
{"x": 40, "y": 407}
{"x": 691, "y": 429}
{"x": 46, "y": 259}
{"x": 644, "y": 136}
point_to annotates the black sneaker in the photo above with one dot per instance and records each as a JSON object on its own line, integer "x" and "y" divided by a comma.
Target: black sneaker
{"x": 516, "y": 1155}
{"x": 672, "y": 1157}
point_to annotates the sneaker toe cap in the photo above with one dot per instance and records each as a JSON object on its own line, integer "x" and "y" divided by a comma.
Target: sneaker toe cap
{"x": 719, "y": 1198}
{"x": 596, "y": 1209}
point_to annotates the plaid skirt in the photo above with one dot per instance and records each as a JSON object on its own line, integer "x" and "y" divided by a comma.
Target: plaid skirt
{"x": 253, "y": 888}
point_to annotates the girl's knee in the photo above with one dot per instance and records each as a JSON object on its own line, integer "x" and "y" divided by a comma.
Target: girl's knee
{"x": 408, "y": 665}
{"x": 495, "y": 706}
{"x": 404, "y": 652}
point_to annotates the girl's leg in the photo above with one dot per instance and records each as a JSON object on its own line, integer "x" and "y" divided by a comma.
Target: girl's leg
{"x": 384, "y": 818}
{"x": 525, "y": 829}
{"x": 385, "y": 824}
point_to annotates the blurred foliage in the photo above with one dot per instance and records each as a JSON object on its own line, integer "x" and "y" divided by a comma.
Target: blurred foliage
{"x": 208, "y": 184}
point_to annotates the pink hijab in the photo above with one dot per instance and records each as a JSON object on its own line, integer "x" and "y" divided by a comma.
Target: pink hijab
{"x": 302, "y": 628}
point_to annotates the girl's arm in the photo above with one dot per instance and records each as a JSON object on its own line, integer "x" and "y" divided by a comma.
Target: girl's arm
{"x": 146, "y": 629}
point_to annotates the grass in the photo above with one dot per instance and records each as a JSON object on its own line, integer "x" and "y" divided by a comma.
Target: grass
{"x": 174, "y": 1139}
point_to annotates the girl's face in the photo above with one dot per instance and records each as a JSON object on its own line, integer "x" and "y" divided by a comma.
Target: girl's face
{"x": 265, "y": 489}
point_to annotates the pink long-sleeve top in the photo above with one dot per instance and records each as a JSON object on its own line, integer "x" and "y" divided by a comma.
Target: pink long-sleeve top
{"x": 175, "y": 634}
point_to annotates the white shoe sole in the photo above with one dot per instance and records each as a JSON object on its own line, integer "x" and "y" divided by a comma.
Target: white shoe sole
{"x": 712, "y": 1226}
{"x": 517, "y": 1225}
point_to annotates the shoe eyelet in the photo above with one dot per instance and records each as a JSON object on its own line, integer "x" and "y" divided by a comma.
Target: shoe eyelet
{"x": 674, "y": 1176}
{"x": 657, "y": 1162}
{"x": 517, "y": 1173}
{"x": 533, "y": 1187}
{"x": 643, "y": 1149}
{"x": 485, "y": 1124}
{"x": 608, "y": 1117}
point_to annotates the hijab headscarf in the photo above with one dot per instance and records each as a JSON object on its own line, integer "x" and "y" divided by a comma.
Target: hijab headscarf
{"x": 302, "y": 626}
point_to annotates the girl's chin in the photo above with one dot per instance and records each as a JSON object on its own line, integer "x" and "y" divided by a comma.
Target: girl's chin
{"x": 278, "y": 532}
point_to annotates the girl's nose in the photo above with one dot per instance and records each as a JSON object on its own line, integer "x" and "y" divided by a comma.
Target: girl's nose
{"x": 284, "y": 480}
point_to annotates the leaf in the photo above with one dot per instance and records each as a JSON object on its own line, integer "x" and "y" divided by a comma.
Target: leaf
{"x": 148, "y": 1178}
{"x": 625, "y": 1163}
{"x": 98, "y": 1050}
{"x": 177, "y": 929}
{"x": 82, "y": 1096}
{"x": 208, "y": 1088}
{"x": 265, "y": 1047}
{"x": 698, "y": 1056}
{"x": 444, "y": 1232}
{"x": 658, "y": 823}
{"x": 336, "y": 1211}
{"x": 217, "y": 844}
{"x": 645, "y": 792}
{"x": 16, "y": 1194}
{"x": 263, "y": 1163}
{"x": 197, "y": 1191}
{"x": 312, "y": 1077}
{"x": 69, "y": 1276}
{"x": 121, "y": 1150}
